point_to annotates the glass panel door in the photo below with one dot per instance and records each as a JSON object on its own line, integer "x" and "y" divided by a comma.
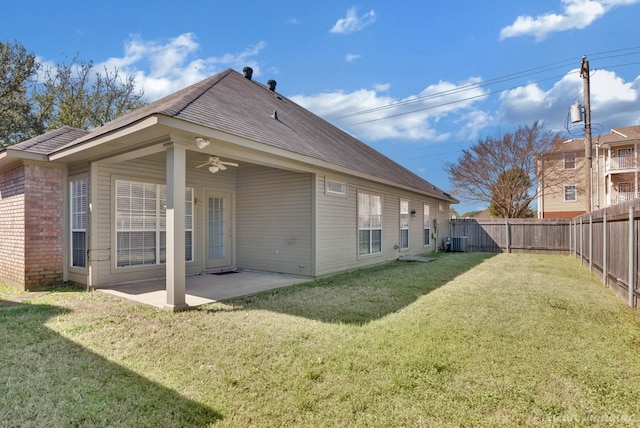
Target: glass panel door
{"x": 218, "y": 227}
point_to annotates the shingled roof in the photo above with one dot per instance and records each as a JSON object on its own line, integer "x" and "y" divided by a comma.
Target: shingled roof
{"x": 51, "y": 141}
{"x": 231, "y": 103}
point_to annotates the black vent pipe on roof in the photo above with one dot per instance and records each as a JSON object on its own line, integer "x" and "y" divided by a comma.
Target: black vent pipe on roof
{"x": 248, "y": 72}
{"x": 272, "y": 85}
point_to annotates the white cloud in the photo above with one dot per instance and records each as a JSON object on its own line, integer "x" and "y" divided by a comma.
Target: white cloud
{"x": 165, "y": 67}
{"x": 577, "y": 14}
{"x": 472, "y": 123}
{"x": 383, "y": 117}
{"x": 614, "y": 102}
{"x": 351, "y": 57}
{"x": 352, "y": 22}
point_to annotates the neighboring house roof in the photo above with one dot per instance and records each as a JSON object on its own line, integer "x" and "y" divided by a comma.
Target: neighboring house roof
{"x": 231, "y": 103}
{"x": 619, "y": 136}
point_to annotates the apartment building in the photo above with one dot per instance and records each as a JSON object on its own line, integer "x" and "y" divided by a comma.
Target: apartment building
{"x": 571, "y": 183}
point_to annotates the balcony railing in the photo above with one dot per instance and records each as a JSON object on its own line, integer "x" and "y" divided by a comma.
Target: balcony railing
{"x": 620, "y": 197}
{"x": 617, "y": 163}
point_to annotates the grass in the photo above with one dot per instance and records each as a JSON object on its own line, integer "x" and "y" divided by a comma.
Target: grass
{"x": 467, "y": 340}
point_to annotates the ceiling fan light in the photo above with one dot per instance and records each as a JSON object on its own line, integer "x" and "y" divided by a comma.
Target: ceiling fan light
{"x": 202, "y": 143}
{"x": 213, "y": 169}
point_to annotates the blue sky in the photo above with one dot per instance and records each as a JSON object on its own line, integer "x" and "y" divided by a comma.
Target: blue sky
{"x": 456, "y": 71}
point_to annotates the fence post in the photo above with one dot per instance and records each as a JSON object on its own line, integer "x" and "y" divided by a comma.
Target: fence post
{"x": 605, "y": 268}
{"x": 590, "y": 243}
{"x": 631, "y": 281}
{"x": 508, "y": 237}
{"x": 570, "y": 234}
{"x": 581, "y": 243}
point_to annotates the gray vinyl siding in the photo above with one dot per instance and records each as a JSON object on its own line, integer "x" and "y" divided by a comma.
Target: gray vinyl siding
{"x": 337, "y": 246}
{"x": 274, "y": 220}
{"x": 149, "y": 169}
{"x": 337, "y": 234}
{"x": 284, "y": 221}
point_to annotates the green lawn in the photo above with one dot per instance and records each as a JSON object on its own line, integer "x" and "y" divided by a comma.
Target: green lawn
{"x": 466, "y": 340}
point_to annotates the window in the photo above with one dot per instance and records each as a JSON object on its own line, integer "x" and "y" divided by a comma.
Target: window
{"x": 335, "y": 187}
{"x": 427, "y": 225}
{"x": 141, "y": 221}
{"x": 369, "y": 224}
{"x": 625, "y": 187}
{"x": 78, "y": 199}
{"x": 625, "y": 152}
{"x": 570, "y": 160}
{"x": 404, "y": 225}
{"x": 570, "y": 193}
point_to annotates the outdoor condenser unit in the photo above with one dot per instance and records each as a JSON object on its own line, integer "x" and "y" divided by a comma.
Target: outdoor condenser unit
{"x": 456, "y": 243}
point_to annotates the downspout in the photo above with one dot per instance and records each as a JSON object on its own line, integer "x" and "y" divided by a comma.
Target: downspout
{"x": 541, "y": 187}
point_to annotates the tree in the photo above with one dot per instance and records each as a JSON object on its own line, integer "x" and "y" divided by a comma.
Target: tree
{"x": 510, "y": 196}
{"x": 34, "y": 99}
{"x": 502, "y": 171}
{"x": 17, "y": 120}
{"x": 74, "y": 94}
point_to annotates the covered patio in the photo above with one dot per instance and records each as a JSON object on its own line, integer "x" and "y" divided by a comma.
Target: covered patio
{"x": 205, "y": 288}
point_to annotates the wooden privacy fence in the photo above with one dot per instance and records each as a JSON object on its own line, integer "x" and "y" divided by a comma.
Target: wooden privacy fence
{"x": 549, "y": 236}
{"x": 605, "y": 240}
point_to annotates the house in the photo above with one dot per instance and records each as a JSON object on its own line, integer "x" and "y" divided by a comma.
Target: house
{"x": 570, "y": 185}
{"x": 224, "y": 174}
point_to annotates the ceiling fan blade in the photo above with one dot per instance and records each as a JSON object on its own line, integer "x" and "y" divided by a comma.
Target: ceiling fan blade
{"x": 221, "y": 166}
{"x": 229, "y": 163}
{"x": 204, "y": 164}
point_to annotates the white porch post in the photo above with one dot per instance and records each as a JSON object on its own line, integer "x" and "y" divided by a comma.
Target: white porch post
{"x": 176, "y": 183}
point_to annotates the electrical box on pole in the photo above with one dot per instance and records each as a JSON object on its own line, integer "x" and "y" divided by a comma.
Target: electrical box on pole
{"x": 576, "y": 112}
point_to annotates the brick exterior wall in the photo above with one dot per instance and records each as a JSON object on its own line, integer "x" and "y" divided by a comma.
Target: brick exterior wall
{"x": 44, "y": 217}
{"x": 31, "y": 227}
{"x": 562, "y": 214}
{"x": 12, "y": 229}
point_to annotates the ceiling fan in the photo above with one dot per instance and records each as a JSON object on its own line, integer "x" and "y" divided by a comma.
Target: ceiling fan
{"x": 215, "y": 164}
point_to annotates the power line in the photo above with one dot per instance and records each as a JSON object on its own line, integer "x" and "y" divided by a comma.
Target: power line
{"x": 465, "y": 88}
{"x": 486, "y": 94}
{"x": 459, "y": 89}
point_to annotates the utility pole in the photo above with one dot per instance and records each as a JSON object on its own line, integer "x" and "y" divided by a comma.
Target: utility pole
{"x": 588, "y": 151}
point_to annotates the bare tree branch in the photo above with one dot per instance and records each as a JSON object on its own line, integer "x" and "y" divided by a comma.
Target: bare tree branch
{"x": 502, "y": 170}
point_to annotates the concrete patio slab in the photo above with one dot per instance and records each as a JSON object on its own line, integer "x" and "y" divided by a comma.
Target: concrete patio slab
{"x": 203, "y": 289}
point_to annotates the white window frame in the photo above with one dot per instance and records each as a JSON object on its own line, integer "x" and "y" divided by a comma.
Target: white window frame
{"x": 369, "y": 224}
{"x": 571, "y": 161}
{"x": 334, "y": 187}
{"x": 150, "y": 220}
{"x": 404, "y": 224}
{"x": 625, "y": 186}
{"x": 78, "y": 216}
{"x": 626, "y": 152}
{"x": 575, "y": 193}
{"x": 426, "y": 218}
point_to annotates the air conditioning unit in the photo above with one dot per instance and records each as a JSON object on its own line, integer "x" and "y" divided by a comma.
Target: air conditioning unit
{"x": 456, "y": 243}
